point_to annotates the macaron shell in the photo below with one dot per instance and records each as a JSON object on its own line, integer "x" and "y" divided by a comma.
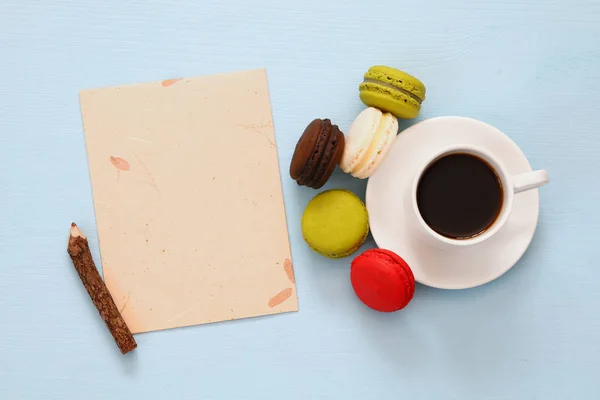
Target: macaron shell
{"x": 359, "y": 137}
{"x": 304, "y": 148}
{"x": 382, "y": 280}
{"x": 312, "y": 165}
{"x": 381, "y": 143}
{"x": 349, "y": 251}
{"x": 397, "y": 103}
{"x": 335, "y": 223}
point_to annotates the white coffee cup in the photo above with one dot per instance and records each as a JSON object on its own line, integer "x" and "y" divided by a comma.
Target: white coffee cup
{"x": 511, "y": 186}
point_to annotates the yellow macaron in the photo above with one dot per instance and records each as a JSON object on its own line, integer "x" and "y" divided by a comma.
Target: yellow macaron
{"x": 335, "y": 223}
{"x": 393, "y": 91}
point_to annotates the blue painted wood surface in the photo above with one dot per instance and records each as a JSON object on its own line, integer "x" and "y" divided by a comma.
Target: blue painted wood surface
{"x": 531, "y": 68}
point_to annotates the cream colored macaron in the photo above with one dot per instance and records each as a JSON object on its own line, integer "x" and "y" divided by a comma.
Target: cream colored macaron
{"x": 368, "y": 140}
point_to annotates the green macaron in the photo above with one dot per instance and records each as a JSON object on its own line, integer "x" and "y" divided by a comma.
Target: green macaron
{"x": 335, "y": 223}
{"x": 393, "y": 91}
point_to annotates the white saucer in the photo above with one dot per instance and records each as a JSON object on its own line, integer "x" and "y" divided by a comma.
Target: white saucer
{"x": 448, "y": 269}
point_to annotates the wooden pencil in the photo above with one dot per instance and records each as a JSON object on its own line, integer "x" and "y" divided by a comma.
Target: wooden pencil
{"x": 79, "y": 251}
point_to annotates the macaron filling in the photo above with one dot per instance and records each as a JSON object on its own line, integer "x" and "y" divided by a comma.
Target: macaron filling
{"x": 397, "y": 78}
{"x": 376, "y": 91}
{"x": 393, "y": 87}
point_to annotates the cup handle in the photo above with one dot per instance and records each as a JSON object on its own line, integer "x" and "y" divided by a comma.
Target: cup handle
{"x": 530, "y": 180}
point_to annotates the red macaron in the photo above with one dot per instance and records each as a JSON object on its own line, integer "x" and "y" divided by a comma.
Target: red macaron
{"x": 382, "y": 280}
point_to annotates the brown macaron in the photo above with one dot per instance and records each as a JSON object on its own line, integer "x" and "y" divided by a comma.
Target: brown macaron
{"x": 317, "y": 153}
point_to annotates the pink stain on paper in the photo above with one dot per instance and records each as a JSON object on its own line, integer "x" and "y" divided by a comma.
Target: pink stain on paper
{"x": 285, "y": 293}
{"x": 289, "y": 269}
{"x": 169, "y": 82}
{"x": 120, "y": 163}
{"x": 280, "y": 297}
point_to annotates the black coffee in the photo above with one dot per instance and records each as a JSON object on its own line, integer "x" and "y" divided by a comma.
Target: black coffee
{"x": 459, "y": 196}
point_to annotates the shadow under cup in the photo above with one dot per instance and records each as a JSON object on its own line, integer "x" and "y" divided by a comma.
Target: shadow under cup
{"x": 462, "y": 196}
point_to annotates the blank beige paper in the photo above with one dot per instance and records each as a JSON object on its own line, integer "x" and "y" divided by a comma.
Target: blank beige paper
{"x": 188, "y": 200}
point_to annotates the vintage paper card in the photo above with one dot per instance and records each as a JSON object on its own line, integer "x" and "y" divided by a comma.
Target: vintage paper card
{"x": 188, "y": 200}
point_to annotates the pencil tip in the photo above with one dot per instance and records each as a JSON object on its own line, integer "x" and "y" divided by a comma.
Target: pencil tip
{"x": 75, "y": 232}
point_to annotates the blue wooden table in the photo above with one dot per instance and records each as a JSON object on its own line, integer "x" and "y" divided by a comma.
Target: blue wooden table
{"x": 529, "y": 67}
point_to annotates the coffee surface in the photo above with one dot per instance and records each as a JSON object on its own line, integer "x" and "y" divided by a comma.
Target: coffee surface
{"x": 459, "y": 196}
